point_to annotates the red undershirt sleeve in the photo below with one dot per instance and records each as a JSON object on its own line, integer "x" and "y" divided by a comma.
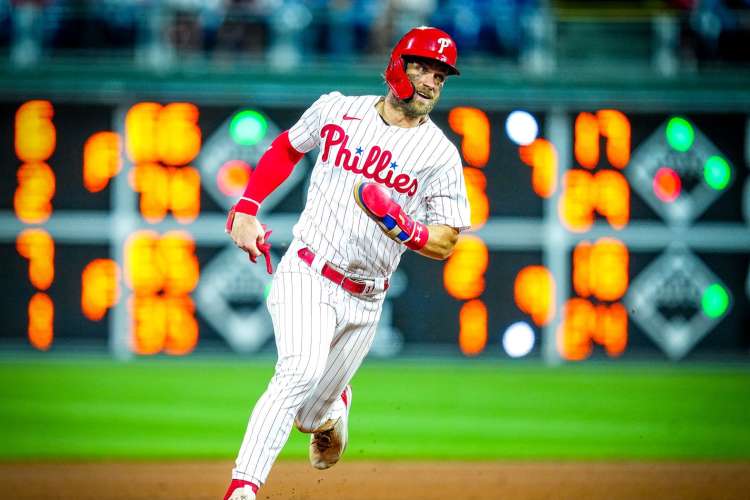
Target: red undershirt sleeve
{"x": 273, "y": 168}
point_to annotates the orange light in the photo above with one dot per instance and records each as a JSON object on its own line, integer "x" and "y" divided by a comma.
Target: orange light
{"x": 463, "y": 274}
{"x": 41, "y": 321}
{"x": 583, "y": 323}
{"x": 609, "y": 269}
{"x": 37, "y": 246}
{"x": 601, "y": 269}
{"x": 607, "y": 192}
{"x": 152, "y": 181}
{"x": 184, "y": 193}
{"x": 615, "y": 126}
{"x": 144, "y": 269}
{"x": 233, "y": 177}
{"x": 179, "y": 137}
{"x": 182, "y": 327}
{"x": 541, "y": 156}
{"x": 577, "y": 200}
{"x": 575, "y": 330}
{"x": 163, "y": 324}
{"x": 141, "y": 132}
{"x": 612, "y": 328}
{"x": 610, "y": 123}
{"x": 472, "y": 337}
{"x": 586, "y": 145}
{"x": 169, "y": 134}
{"x": 32, "y": 200}
{"x": 165, "y": 188}
{"x": 149, "y": 315}
{"x": 582, "y": 269}
{"x": 101, "y": 160}
{"x": 534, "y": 293}
{"x": 167, "y": 263}
{"x": 35, "y": 134}
{"x": 176, "y": 251}
{"x": 162, "y": 271}
{"x": 476, "y": 183}
{"x": 100, "y": 288}
{"x": 613, "y": 197}
{"x": 474, "y": 127}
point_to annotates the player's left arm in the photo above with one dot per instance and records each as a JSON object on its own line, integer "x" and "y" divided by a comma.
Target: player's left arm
{"x": 441, "y": 242}
{"x": 435, "y": 241}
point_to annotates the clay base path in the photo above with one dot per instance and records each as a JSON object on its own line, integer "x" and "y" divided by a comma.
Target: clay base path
{"x": 381, "y": 480}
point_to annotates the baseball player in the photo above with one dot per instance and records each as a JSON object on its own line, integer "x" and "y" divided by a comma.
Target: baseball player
{"x": 386, "y": 180}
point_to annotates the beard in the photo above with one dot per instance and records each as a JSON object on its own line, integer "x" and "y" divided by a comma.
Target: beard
{"x": 415, "y": 107}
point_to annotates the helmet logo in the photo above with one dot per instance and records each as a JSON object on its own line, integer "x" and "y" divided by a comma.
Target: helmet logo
{"x": 444, "y": 42}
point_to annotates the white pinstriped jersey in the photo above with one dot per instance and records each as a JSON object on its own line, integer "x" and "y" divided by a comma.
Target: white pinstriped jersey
{"x": 419, "y": 165}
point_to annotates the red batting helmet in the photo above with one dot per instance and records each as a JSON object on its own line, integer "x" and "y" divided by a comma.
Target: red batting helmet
{"x": 430, "y": 43}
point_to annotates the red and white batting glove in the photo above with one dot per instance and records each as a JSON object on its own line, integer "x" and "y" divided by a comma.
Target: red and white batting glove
{"x": 265, "y": 247}
{"x": 377, "y": 203}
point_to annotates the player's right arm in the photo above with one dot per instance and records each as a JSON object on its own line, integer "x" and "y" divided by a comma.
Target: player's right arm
{"x": 274, "y": 167}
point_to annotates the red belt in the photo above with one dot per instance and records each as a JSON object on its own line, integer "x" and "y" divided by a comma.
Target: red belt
{"x": 350, "y": 285}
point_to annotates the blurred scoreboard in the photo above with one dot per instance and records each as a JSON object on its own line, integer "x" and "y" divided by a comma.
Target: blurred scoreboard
{"x": 595, "y": 232}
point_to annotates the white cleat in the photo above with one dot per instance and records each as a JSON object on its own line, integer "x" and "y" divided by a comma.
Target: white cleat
{"x": 244, "y": 493}
{"x": 328, "y": 444}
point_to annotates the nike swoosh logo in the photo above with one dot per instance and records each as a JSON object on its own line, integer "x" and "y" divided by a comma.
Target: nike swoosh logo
{"x": 347, "y": 117}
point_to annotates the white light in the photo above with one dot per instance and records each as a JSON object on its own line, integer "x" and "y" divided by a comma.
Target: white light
{"x": 521, "y": 128}
{"x": 518, "y": 339}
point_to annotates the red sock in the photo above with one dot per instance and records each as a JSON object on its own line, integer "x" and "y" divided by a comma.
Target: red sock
{"x": 239, "y": 483}
{"x": 343, "y": 396}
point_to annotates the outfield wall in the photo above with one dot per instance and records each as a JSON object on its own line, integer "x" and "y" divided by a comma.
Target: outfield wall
{"x": 621, "y": 231}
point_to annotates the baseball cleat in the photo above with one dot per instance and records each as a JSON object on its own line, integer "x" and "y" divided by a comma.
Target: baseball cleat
{"x": 240, "y": 490}
{"x": 328, "y": 444}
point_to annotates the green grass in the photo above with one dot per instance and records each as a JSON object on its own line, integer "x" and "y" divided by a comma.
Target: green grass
{"x": 192, "y": 408}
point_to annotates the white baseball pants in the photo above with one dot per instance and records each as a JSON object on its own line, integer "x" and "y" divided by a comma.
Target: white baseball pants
{"x": 322, "y": 335}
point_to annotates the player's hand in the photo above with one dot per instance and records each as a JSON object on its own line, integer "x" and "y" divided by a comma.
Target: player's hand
{"x": 250, "y": 235}
{"x": 377, "y": 203}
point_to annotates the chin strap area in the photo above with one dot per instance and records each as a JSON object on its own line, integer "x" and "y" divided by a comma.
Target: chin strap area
{"x": 398, "y": 80}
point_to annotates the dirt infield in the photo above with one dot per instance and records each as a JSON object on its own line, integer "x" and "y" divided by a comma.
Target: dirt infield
{"x": 381, "y": 480}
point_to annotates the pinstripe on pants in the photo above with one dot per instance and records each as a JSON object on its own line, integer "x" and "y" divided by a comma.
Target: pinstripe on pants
{"x": 322, "y": 335}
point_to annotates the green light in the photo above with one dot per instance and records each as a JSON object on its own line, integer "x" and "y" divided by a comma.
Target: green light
{"x": 680, "y": 134}
{"x": 248, "y": 127}
{"x": 715, "y": 301}
{"x": 717, "y": 172}
{"x": 266, "y": 291}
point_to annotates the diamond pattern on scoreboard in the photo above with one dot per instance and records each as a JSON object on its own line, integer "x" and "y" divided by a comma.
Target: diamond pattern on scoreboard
{"x": 655, "y": 153}
{"x": 231, "y": 293}
{"x": 665, "y": 301}
{"x": 220, "y": 148}
{"x": 231, "y": 297}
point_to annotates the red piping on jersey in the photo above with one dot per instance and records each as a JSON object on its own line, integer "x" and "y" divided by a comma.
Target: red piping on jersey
{"x": 274, "y": 167}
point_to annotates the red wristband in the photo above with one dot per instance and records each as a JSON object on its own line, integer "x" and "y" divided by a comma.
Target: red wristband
{"x": 247, "y": 206}
{"x": 419, "y": 237}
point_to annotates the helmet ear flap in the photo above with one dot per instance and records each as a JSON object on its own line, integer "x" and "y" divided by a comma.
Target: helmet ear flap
{"x": 397, "y": 79}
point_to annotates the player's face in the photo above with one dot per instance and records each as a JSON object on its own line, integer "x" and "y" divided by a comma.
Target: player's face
{"x": 428, "y": 78}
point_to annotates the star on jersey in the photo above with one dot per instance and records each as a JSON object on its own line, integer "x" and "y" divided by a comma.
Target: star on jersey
{"x": 373, "y": 165}
{"x": 359, "y": 151}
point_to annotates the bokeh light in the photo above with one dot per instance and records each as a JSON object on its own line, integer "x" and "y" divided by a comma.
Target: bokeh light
{"x": 667, "y": 185}
{"x": 521, "y": 127}
{"x": 518, "y": 339}
{"x": 232, "y": 177}
{"x": 717, "y": 172}
{"x": 680, "y": 134}
{"x": 248, "y": 127}
{"x": 715, "y": 301}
